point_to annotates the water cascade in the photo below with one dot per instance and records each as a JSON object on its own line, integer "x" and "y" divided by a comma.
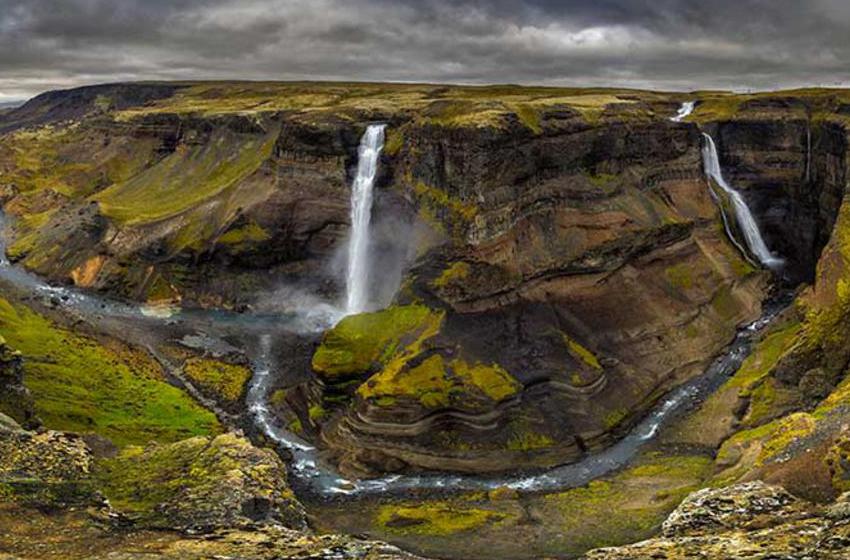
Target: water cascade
{"x": 357, "y": 275}
{"x": 746, "y": 221}
{"x": 686, "y": 109}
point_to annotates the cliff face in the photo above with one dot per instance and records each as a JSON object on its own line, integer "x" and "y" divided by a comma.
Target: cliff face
{"x": 565, "y": 261}
{"x": 584, "y": 260}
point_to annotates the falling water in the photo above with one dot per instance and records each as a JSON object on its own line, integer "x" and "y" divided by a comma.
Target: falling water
{"x": 686, "y": 109}
{"x": 357, "y": 278}
{"x": 745, "y": 218}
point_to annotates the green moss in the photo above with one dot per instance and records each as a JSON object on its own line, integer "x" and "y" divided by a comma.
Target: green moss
{"x": 186, "y": 178}
{"x": 436, "y": 199}
{"x": 644, "y": 495}
{"x": 164, "y": 485}
{"x": 394, "y": 141}
{"x": 316, "y": 412}
{"x": 725, "y": 304}
{"x": 434, "y": 518}
{"x": 601, "y": 180}
{"x": 680, "y": 276}
{"x": 225, "y": 381}
{"x": 772, "y": 438}
{"x": 528, "y": 441}
{"x": 615, "y": 417}
{"x": 764, "y": 357}
{"x": 529, "y": 116}
{"x": 580, "y": 352}
{"x": 278, "y": 398}
{"x": 435, "y": 384}
{"x": 81, "y": 385}
{"x": 360, "y": 342}
{"x": 492, "y": 380}
{"x": 247, "y": 234}
{"x": 455, "y": 273}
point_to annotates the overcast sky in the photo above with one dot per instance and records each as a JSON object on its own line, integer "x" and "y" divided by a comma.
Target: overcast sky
{"x": 662, "y": 44}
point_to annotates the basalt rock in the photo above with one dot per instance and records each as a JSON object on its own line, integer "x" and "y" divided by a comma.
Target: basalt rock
{"x": 751, "y": 520}
{"x": 15, "y": 398}
{"x": 550, "y": 239}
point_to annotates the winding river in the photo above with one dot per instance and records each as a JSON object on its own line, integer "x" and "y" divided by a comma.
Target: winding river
{"x": 211, "y": 330}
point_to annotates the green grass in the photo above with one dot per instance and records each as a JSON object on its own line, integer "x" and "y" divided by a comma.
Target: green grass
{"x": 81, "y": 385}
{"x": 224, "y": 381}
{"x": 434, "y": 518}
{"x": 186, "y": 178}
{"x": 359, "y": 342}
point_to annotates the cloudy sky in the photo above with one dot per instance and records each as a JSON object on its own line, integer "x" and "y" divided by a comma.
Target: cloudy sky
{"x": 664, "y": 44}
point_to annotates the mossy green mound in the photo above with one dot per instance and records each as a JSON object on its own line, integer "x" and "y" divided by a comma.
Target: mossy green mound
{"x": 226, "y": 382}
{"x": 199, "y": 483}
{"x": 186, "y": 178}
{"x": 360, "y": 342}
{"x": 436, "y": 383}
{"x": 81, "y": 385}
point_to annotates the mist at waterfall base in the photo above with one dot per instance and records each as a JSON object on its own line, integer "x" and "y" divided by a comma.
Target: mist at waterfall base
{"x": 366, "y": 269}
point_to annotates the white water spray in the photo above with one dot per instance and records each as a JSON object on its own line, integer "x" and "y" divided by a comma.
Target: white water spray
{"x": 746, "y": 221}
{"x": 357, "y": 277}
{"x": 686, "y": 109}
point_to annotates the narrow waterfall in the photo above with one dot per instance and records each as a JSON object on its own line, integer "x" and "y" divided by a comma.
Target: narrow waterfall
{"x": 746, "y": 221}
{"x": 357, "y": 274}
{"x": 686, "y": 109}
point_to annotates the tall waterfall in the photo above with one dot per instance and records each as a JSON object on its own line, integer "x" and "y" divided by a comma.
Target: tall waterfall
{"x": 686, "y": 109}
{"x": 357, "y": 275}
{"x": 746, "y": 221}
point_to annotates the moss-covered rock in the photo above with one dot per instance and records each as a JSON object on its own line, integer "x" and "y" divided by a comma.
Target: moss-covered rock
{"x": 361, "y": 343}
{"x": 224, "y": 382}
{"x": 82, "y": 384}
{"x": 200, "y": 483}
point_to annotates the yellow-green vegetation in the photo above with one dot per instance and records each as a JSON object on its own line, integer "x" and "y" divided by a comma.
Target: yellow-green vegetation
{"x": 435, "y": 518}
{"x": 615, "y": 417}
{"x": 771, "y": 439}
{"x": 359, "y": 342}
{"x": 435, "y": 383}
{"x": 394, "y": 141}
{"x": 764, "y": 357}
{"x": 580, "y": 352}
{"x": 644, "y": 495}
{"x": 455, "y": 273}
{"x": 601, "y": 180}
{"x": 316, "y": 412}
{"x": 198, "y": 479}
{"x": 679, "y": 276}
{"x": 249, "y": 233}
{"x": 725, "y": 304}
{"x": 186, "y": 178}
{"x": 386, "y": 342}
{"x": 529, "y": 116}
{"x": 436, "y": 202}
{"x": 529, "y": 441}
{"x": 226, "y": 382}
{"x": 438, "y": 104}
{"x": 80, "y": 384}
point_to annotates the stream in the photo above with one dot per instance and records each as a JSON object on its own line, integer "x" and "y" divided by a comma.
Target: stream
{"x": 211, "y": 329}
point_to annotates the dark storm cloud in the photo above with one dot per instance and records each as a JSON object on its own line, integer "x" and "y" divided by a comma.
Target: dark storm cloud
{"x": 676, "y": 44}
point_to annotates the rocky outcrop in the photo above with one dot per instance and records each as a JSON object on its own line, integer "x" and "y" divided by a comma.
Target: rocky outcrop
{"x": 15, "y": 399}
{"x": 201, "y": 484}
{"x": 745, "y": 521}
{"x": 54, "y": 500}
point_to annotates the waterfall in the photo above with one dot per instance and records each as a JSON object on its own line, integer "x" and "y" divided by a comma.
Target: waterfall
{"x": 357, "y": 275}
{"x": 746, "y": 221}
{"x": 686, "y": 109}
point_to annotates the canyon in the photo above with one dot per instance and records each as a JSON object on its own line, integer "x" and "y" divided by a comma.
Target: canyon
{"x": 547, "y": 267}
